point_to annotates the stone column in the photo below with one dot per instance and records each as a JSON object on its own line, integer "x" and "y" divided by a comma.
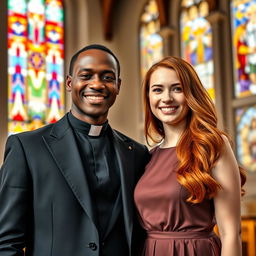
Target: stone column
{"x": 222, "y": 90}
{"x": 167, "y": 33}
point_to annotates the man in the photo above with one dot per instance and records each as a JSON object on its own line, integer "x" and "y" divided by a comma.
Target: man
{"x": 67, "y": 189}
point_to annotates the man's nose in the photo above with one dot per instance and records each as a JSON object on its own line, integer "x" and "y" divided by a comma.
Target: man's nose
{"x": 96, "y": 83}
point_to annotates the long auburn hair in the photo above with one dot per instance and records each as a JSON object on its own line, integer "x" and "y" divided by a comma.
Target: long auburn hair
{"x": 201, "y": 143}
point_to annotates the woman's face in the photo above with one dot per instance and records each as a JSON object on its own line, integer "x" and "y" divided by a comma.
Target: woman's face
{"x": 166, "y": 97}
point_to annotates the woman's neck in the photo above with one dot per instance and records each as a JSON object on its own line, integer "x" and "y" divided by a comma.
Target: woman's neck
{"x": 172, "y": 134}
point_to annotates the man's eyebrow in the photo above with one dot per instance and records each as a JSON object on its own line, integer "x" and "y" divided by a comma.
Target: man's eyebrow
{"x": 85, "y": 70}
{"x": 91, "y": 70}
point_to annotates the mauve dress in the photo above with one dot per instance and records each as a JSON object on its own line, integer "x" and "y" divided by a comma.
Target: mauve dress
{"x": 174, "y": 226}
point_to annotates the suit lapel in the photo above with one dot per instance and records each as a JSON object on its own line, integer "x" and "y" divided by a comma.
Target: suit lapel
{"x": 63, "y": 148}
{"x": 125, "y": 158}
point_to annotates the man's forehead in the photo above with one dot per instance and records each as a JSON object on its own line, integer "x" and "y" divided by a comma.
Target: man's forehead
{"x": 95, "y": 56}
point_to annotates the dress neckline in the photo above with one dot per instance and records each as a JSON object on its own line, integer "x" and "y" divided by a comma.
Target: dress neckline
{"x": 167, "y": 148}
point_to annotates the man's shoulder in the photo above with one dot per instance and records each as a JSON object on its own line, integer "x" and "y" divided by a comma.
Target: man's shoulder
{"x": 42, "y": 131}
{"x": 34, "y": 133}
{"x": 128, "y": 139}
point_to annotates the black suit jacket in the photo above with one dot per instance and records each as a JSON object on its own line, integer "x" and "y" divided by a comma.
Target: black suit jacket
{"x": 45, "y": 203}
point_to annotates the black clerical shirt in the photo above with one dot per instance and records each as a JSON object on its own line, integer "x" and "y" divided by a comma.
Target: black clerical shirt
{"x": 99, "y": 160}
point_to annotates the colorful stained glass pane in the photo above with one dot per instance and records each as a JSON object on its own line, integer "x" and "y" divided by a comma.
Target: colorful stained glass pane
{"x": 196, "y": 41}
{"x": 243, "y": 19}
{"x": 17, "y": 69}
{"x": 246, "y": 137}
{"x": 151, "y": 43}
{"x": 35, "y": 63}
{"x": 54, "y": 59}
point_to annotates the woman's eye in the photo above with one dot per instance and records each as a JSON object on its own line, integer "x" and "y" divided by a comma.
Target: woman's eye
{"x": 177, "y": 89}
{"x": 156, "y": 90}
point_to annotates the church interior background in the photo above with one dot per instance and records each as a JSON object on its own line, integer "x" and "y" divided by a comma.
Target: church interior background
{"x": 218, "y": 37}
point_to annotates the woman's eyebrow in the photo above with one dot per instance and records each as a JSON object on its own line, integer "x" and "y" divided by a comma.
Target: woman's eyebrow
{"x": 160, "y": 85}
{"x": 156, "y": 85}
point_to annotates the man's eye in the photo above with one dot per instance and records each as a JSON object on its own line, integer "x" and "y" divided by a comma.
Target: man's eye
{"x": 108, "y": 78}
{"x": 85, "y": 76}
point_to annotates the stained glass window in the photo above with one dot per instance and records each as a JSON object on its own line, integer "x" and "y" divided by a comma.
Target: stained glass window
{"x": 243, "y": 18}
{"x": 151, "y": 43}
{"x": 246, "y": 137}
{"x": 35, "y": 63}
{"x": 196, "y": 40}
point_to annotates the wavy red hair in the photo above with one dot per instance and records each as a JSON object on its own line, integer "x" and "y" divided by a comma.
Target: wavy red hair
{"x": 201, "y": 143}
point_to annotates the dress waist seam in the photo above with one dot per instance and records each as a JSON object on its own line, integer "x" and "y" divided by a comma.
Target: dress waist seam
{"x": 179, "y": 234}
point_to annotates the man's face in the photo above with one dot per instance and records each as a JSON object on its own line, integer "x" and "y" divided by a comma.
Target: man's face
{"x": 94, "y": 85}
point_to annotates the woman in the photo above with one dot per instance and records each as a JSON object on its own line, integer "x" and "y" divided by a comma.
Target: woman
{"x": 192, "y": 180}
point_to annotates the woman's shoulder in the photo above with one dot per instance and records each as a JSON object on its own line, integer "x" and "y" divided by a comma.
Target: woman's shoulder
{"x": 154, "y": 149}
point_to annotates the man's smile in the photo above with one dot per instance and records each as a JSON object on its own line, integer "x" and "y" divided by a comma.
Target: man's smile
{"x": 94, "y": 98}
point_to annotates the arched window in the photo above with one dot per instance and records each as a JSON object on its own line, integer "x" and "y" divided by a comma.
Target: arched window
{"x": 196, "y": 40}
{"x": 244, "y": 45}
{"x": 151, "y": 43}
{"x": 35, "y": 63}
{"x": 243, "y": 20}
{"x": 246, "y": 136}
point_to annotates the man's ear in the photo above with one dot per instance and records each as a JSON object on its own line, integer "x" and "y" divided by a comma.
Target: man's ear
{"x": 68, "y": 83}
{"x": 119, "y": 85}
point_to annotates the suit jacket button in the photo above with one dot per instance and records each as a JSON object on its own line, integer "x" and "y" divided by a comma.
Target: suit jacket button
{"x": 93, "y": 246}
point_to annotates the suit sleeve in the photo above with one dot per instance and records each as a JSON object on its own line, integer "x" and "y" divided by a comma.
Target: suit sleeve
{"x": 139, "y": 234}
{"x": 14, "y": 199}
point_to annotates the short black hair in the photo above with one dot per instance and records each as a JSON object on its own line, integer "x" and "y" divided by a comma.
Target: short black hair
{"x": 89, "y": 47}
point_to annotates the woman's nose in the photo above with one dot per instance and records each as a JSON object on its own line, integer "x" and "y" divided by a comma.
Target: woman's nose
{"x": 167, "y": 97}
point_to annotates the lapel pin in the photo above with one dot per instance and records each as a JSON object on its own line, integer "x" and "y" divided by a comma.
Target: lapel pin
{"x": 130, "y": 147}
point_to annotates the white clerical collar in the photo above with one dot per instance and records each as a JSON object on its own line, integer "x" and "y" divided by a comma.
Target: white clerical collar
{"x": 95, "y": 130}
{"x": 86, "y": 128}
